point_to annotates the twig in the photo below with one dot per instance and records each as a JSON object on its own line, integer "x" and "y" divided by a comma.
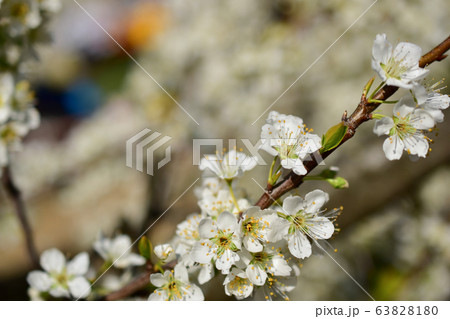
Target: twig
{"x": 361, "y": 114}
{"x": 134, "y": 286}
{"x": 19, "y": 205}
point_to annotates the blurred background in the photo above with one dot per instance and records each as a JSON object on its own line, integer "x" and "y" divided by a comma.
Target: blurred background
{"x": 226, "y": 62}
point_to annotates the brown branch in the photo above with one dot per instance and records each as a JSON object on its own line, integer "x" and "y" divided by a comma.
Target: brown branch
{"x": 361, "y": 114}
{"x": 19, "y": 205}
{"x": 134, "y": 286}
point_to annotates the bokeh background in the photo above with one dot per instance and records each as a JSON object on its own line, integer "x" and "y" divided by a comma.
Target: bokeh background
{"x": 226, "y": 62}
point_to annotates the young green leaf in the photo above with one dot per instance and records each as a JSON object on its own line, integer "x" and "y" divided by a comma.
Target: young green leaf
{"x": 145, "y": 248}
{"x": 333, "y": 137}
{"x": 338, "y": 182}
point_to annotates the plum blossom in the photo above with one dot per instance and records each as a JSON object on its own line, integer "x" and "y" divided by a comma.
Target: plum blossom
{"x": 212, "y": 205}
{"x": 117, "y": 252}
{"x": 302, "y": 219}
{"x": 259, "y": 265}
{"x": 233, "y": 164}
{"x": 174, "y": 286}
{"x": 165, "y": 252}
{"x": 287, "y": 137}
{"x": 397, "y": 66}
{"x": 61, "y": 278}
{"x": 406, "y": 130}
{"x": 237, "y": 284}
{"x": 429, "y": 99}
{"x": 256, "y": 228}
{"x": 220, "y": 241}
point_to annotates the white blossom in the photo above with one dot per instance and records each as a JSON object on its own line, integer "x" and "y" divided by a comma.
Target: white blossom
{"x": 287, "y": 137}
{"x": 397, "y": 66}
{"x": 406, "y": 130}
{"x": 302, "y": 219}
{"x": 165, "y": 252}
{"x": 61, "y": 278}
{"x": 220, "y": 240}
{"x": 429, "y": 99}
{"x": 256, "y": 228}
{"x": 233, "y": 164}
{"x": 259, "y": 265}
{"x": 117, "y": 251}
{"x": 237, "y": 284}
{"x": 174, "y": 286}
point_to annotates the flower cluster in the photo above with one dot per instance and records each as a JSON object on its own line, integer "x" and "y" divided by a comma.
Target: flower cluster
{"x": 417, "y": 113}
{"x": 257, "y": 251}
{"x": 22, "y": 26}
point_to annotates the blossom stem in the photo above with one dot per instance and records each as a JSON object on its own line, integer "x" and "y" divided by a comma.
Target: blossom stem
{"x": 273, "y": 177}
{"x": 381, "y": 101}
{"x": 230, "y": 187}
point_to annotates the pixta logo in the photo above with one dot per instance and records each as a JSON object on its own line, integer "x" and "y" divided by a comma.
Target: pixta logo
{"x": 142, "y": 146}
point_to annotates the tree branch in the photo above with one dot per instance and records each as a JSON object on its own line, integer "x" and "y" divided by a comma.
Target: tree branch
{"x": 361, "y": 114}
{"x": 19, "y": 205}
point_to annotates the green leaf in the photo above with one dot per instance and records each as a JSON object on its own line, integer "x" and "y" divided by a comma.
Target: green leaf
{"x": 333, "y": 137}
{"x": 328, "y": 173}
{"x": 145, "y": 248}
{"x": 338, "y": 182}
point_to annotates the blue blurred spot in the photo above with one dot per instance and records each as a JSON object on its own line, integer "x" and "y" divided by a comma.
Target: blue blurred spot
{"x": 82, "y": 98}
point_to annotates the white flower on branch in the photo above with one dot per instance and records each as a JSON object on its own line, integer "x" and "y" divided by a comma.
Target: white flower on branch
{"x": 397, "y": 66}
{"x": 212, "y": 205}
{"x": 61, "y": 278}
{"x": 118, "y": 251}
{"x": 259, "y": 265}
{"x": 237, "y": 284}
{"x": 287, "y": 137}
{"x": 165, "y": 252}
{"x": 220, "y": 241}
{"x": 256, "y": 228}
{"x": 406, "y": 130}
{"x": 429, "y": 99}
{"x": 174, "y": 286}
{"x": 302, "y": 219}
{"x": 233, "y": 164}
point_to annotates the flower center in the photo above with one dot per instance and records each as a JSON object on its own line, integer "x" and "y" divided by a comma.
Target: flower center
{"x": 403, "y": 128}
{"x": 394, "y": 68}
{"x": 20, "y": 10}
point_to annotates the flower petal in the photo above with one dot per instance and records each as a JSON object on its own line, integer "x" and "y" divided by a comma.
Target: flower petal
{"x": 78, "y": 265}
{"x": 298, "y": 245}
{"x": 315, "y": 200}
{"x": 39, "y": 280}
{"x": 53, "y": 261}
{"x": 383, "y": 126}
{"x": 252, "y": 244}
{"x": 158, "y": 280}
{"x": 79, "y": 287}
{"x": 292, "y": 205}
{"x": 393, "y": 148}
{"x": 159, "y": 295}
{"x": 227, "y": 221}
{"x": 256, "y": 275}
